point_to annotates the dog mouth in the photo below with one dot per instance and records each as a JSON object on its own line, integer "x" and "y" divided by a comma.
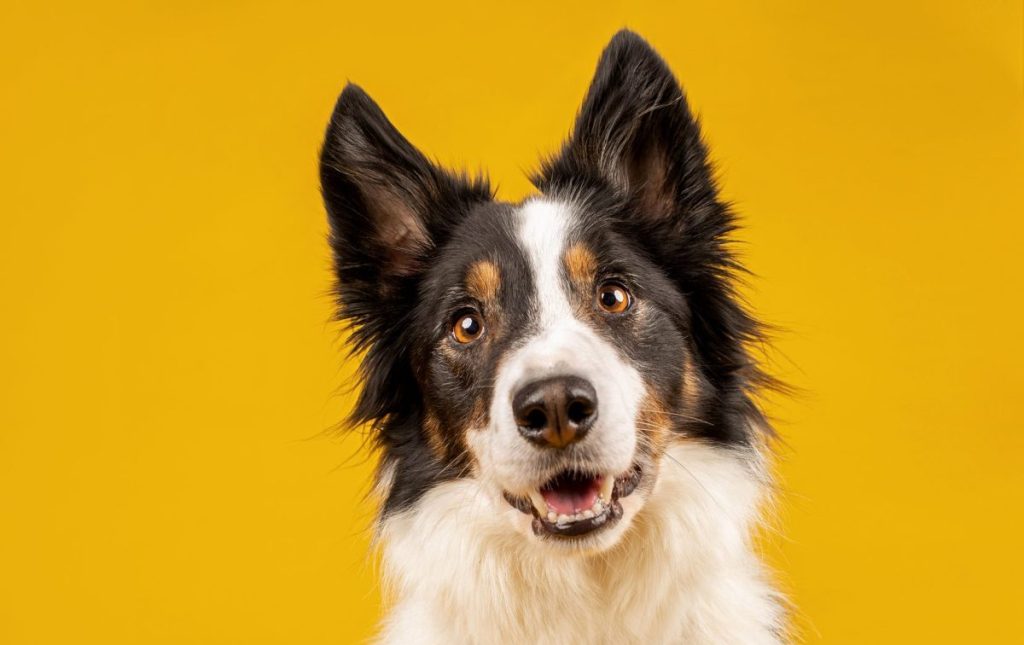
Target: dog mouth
{"x": 574, "y": 503}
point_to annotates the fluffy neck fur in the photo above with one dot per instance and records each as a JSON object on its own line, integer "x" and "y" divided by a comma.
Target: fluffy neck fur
{"x": 684, "y": 572}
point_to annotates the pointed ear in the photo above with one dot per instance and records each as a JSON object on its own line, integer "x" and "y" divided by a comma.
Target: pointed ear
{"x": 636, "y": 134}
{"x": 388, "y": 205}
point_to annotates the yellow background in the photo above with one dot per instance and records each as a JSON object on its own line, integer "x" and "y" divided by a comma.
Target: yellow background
{"x": 168, "y": 365}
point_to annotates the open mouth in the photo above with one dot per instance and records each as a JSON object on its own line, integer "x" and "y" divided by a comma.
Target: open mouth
{"x": 574, "y": 503}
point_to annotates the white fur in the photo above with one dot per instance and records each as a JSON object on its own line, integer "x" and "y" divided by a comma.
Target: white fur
{"x": 683, "y": 572}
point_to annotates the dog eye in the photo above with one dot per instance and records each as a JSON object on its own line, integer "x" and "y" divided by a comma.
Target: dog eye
{"x": 613, "y": 298}
{"x": 468, "y": 327}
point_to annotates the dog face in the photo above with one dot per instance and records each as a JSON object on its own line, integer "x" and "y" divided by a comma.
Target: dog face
{"x": 550, "y": 349}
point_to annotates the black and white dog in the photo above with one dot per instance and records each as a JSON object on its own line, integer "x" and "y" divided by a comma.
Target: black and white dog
{"x": 560, "y": 389}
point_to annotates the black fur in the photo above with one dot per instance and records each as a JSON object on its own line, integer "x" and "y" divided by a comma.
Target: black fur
{"x": 368, "y": 173}
{"x": 634, "y": 119}
{"x": 403, "y": 232}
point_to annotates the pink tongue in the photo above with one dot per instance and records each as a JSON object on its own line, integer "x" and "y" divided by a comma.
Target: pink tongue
{"x": 566, "y": 501}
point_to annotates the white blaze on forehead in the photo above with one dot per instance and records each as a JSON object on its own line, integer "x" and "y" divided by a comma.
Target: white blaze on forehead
{"x": 557, "y": 344}
{"x": 543, "y": 230}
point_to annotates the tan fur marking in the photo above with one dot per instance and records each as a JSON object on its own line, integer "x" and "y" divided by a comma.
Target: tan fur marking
{"x": 478, "y": 417}
{"x": 432, "y": 428}
{"x": 483, "y": 281}
{"x": 691, "y": 384}
{"x": 581, "y": 264}
{"x": 653, "y": 422}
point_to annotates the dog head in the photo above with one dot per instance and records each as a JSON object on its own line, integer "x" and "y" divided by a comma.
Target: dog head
{"x": 554, "y": 348}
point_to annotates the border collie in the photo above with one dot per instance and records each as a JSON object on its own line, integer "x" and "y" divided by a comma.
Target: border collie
{"x": 561, "y": 389}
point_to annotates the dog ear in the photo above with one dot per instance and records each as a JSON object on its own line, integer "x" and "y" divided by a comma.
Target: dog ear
{"x": 389, "y": 208}
{"x": 635, "y": 133}
{"x": 388, "y": 205}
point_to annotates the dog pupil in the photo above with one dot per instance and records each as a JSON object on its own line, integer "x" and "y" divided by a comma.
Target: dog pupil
{"x": 610, "y": 298}
{"x": 470, "y": 326}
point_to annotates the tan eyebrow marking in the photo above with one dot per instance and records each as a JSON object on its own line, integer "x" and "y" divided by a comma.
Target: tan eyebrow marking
{"x": 581, "y": 264}
{"x": 483, "y": 280}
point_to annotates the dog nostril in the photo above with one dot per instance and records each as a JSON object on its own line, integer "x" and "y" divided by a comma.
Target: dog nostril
{"x": 579, "y": 411}
{"x": 536, "y": 419}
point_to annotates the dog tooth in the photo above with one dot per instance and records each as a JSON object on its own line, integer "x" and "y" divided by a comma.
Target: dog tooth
{"x": 606, "y": 488}
{"x": 587, "y": 514}
{"x": 538, "y": 502}
{"x": 598, "y": 507}
{"x": 563, "y": 518}
{"x": 552, "y": 517}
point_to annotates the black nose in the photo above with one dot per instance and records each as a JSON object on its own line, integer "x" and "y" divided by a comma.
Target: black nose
{"x": 555, "y": 411}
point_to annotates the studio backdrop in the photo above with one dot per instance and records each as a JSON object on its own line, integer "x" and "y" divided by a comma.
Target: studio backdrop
{"x": 171, "y": 383}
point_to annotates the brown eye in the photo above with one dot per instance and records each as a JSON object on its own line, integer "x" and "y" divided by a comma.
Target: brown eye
{"x": 613, "y": 298}
{"x": 468, "y": 327}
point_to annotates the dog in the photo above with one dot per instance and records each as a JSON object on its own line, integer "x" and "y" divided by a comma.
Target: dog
{"x": 561, "y": 390}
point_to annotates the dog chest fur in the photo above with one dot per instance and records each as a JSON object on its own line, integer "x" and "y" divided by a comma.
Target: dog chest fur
{"x": 684, "y": 573}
